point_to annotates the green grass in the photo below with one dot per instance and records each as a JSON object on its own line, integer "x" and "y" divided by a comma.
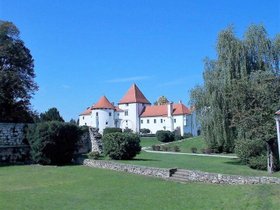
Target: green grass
{"x": 149, "y": 141}
{"x": 208, "y": 164}
{"x": 78, "y": 187}
{"x": 187, "y": 144}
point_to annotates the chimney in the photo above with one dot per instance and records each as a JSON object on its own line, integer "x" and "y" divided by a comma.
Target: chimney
{"x": 170, "y": 109}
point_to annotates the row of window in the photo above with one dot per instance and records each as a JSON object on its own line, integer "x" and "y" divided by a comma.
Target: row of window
{"x": 155, "y": 121}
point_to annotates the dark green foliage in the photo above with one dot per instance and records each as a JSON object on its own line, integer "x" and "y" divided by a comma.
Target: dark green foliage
{"x": 156, "y": 147}
{"x": 94, "y": 155}
{"x": 165, "y": 136}
{"x": 246, "y": 149}
{"x": 194, "y": 150}
{"x": 121, "y": 146}
{"x": 258, "y": 162}
{"x": 241, "y": 89}
{"x": 53, "y": 142}
{"x": 51, "y": 115}
{"x": 127, "y": 130}
{"x": 112, "y": 130}
{"x": 17, "y": 75}
{"x": 145, "y": 131}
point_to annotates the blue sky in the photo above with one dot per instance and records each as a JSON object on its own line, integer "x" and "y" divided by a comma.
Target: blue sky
{"x": 86, "y": 49}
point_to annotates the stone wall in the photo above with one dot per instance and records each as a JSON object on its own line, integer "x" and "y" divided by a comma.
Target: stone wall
{"x": 13, "y": 144}
{"x": 185, "y": 175}
{"x": 142, "y": 170}
{"x": 215, "y": 178}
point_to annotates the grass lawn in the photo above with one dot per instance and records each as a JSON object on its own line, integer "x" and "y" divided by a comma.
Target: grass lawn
{"x": 187, "y": 144}
{"x": 79, "y": 187}
{"x": 149, "y": 141}
{"x": 208, "y": 164}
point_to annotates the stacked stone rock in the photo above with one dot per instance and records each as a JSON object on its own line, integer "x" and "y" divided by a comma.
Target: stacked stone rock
{"x": 13, "y": 144}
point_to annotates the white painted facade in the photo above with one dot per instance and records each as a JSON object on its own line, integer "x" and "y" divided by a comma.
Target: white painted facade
{"x": 128, "y": 116}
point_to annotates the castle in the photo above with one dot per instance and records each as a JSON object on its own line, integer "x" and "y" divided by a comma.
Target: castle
{"x": 135, "y": 112}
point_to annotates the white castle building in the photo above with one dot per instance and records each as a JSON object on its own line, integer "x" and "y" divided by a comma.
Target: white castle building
{"x": 135, "y": 112}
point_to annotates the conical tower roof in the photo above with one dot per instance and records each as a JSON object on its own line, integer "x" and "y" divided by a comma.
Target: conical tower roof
{"x": 134, "y": 95}
{"x": 103, "y": 103}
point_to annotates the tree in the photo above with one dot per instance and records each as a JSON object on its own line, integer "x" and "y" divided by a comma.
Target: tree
{"x": 51, "y": 115}
{"x": 53, "y": 142}
{"x": 121, "y": 146}
{"x": 17, "y": 75}
{"x": 161, "y": 101}
{"x": 240, "y": 92}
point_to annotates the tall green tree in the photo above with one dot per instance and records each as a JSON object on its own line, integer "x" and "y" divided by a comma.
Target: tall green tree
{"x": 51, "y": 115}
{"x": 241, "y": 90}
{"x": 17, "y": 75}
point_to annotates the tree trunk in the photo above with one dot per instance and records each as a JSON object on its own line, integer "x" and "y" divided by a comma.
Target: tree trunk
{"x": 269, "y": 159}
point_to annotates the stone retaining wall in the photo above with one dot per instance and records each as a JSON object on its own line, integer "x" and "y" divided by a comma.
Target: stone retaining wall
{"x": 199, "y": 176}
{"x": 13, "y": 144}
{"x": 142, "y": 170}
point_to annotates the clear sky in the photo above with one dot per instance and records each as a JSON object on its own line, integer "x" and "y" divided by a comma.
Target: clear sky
{"x": 84, "y": 49}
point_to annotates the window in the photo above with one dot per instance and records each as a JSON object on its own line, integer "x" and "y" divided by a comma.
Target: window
{"x": 85, "y": 123}
{"x": 126, "y": 104}
{"x": 106, "y": 123}
{"x": 174, "y": 120}
{"x": 83, "y": 117}
{"x": 110, "y": 114}
{"x": 161, "y": 120}
{"x": 148, "y": 121}
{"x": 155, "y": 121}
{"x": 96, "y": 114}
{"x": 141, "y": 121}
{"x": 126, "y": 113}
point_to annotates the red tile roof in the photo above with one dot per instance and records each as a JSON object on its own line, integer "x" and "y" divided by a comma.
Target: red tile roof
{"x": 86, "y": 112}
{"x": 103, "y": 103}
{"x": 134, "y": 95}
{"x": 161, "y": 110}
{"x": 118, "y": 109}
{"x": 278, "y": 112}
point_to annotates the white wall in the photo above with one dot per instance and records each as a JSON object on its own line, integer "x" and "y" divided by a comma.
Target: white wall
{"x": 103, "y": 120}
{"x": 132, "y": 120}
{"x": 85, "y": 120}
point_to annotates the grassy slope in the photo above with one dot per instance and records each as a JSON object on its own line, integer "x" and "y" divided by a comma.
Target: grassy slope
{"x": 208, "y": 164}
{"x": 78, "y": 187}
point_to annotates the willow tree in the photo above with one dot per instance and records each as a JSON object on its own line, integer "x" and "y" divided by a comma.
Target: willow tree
{"x": 240, "y": 86}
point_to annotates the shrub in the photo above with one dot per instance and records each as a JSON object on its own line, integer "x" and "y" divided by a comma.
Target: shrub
{"x": 111, "y": 130}
{"x": 177, "y": 136}
{"x": 165, "y": 148}
{"x": 207, "y": 151}
{"x": 145, "y": 131}
{"x": 187, "y": 135}
{"x": 245, "y": 149}
{"x": 53, "y": 142}
{"x": 156, "y": 147}
{"x": 176, "y": 148}
{"x": 194, "y": 150}
{"x": 258, "y": 162}
{"x": 121, "y": 146}
{"x": 165, "y": 136}
{"x": 94, "y": 155}
{"x": 127, "y": 130}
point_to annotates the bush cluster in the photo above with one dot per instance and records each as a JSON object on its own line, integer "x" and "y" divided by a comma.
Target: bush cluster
{"x": 121, "y": 146}
{"x": 111, "y": 130}
{"x": 53, "y": 142}
{"x": 145, "y": 131}
{"x": 174, "y": 148}
{"x": 94, "y": 155}
{"x": 187, "y": 135}
{"x": 165, "y": 136}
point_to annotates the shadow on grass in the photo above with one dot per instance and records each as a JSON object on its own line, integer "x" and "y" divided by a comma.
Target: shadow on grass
{"x": 234, "y": 162}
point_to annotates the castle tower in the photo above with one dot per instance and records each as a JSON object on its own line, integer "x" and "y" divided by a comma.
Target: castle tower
{"x": 132, "y": 104}
{"x": 103, "y": 113}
